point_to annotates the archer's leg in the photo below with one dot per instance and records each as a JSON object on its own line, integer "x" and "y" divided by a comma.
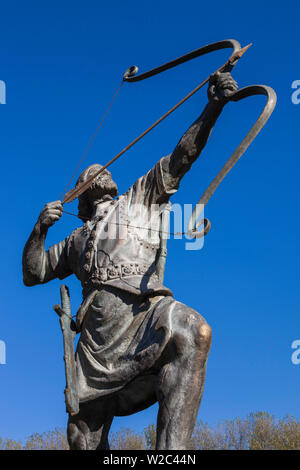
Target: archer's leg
{"x": 181, "y": 380}
{"x": 89, "y": 429}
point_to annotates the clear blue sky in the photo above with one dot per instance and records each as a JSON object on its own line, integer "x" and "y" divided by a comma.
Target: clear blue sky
{"x": 61, "y": 64}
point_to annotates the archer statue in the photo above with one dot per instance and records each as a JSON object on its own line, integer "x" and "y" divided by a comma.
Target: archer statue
{"x": 137, "y": 345}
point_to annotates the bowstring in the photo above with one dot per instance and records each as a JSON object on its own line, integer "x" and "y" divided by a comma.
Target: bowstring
{"x": 131, "y": 226}
{"x": 92, "y": 139}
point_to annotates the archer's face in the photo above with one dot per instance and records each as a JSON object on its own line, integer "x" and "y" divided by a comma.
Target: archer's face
{"x": 103, "y": 185}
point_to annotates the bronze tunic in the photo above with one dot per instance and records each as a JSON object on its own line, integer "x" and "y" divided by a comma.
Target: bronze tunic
{"x": 114, "y": 256}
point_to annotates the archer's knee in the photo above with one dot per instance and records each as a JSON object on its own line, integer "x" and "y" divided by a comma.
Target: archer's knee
{"x": 191, "y": 331}
{"x": 203, "y": 336}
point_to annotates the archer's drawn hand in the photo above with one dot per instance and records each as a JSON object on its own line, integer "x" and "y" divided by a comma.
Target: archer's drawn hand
{"x": 221, "y": 87}
{"x": 50, "y": 214}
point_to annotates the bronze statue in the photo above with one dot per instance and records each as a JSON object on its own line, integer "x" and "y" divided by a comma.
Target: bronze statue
{"x": 137, "y": 344}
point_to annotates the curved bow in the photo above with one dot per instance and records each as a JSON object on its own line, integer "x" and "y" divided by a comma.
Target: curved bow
{"x": 130, "y": 76}
{"x": 237, "y": 52}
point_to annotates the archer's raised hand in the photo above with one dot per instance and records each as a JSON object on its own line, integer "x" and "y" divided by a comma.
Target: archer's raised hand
{"x": 221, "y": 87}
{"x": 50, "y": 214}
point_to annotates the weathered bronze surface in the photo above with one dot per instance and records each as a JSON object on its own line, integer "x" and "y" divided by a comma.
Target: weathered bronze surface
{"x": 69, "y": 332}
{"x": 137, "y": 344}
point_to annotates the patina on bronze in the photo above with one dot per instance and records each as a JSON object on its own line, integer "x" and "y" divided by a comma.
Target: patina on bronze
{"x": 137, "y": 344}
{"x": 68, "y": 327}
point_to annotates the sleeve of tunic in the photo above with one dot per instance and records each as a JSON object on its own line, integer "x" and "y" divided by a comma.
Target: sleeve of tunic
{"x": 155, "y": 187}
{"x": 57, "y": 265}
